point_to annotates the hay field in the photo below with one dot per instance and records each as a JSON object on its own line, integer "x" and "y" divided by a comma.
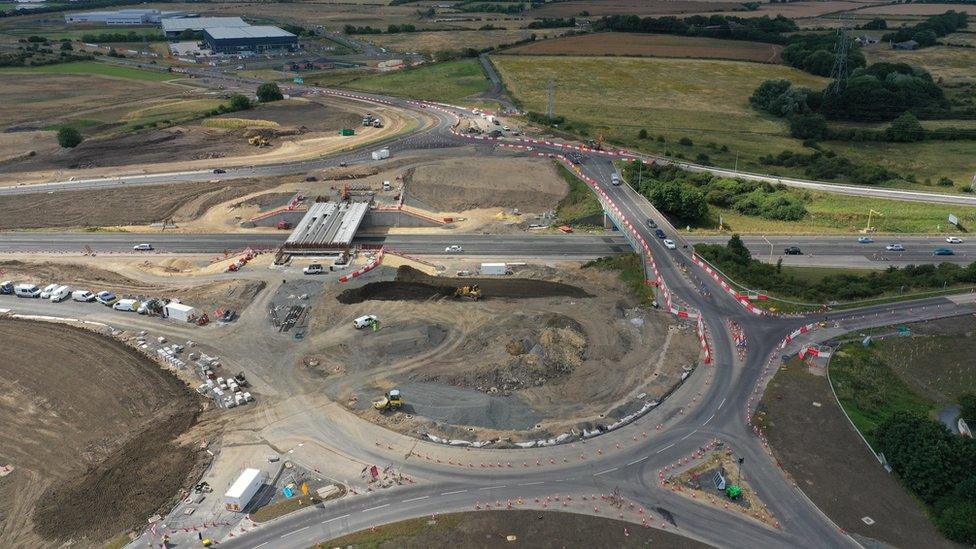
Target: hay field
{"x": 953, "y": 65}
{"x": 701, "y": 99}
{"x": 451, "y": 40}
{"x": 644, "y": 8}
{"x": 652, "y": 45}
{"x": 450, "y": 82}
{"x": 796, "y": 10}
{"x": 919, "y": 9}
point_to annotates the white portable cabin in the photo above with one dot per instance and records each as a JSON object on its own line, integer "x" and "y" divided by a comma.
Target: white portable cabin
{"x": 180, "y": 311}
{"x": 494, "y": 268}
{"x": 240, "y": 493}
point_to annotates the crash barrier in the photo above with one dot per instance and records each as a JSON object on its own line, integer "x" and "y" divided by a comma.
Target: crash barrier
{"x": 741, "y": 299}
{"x": 372, "y": 264}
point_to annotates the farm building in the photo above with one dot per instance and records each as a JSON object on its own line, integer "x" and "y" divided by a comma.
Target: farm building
{"x": 248, "y": 38}
{"x": 173, "y": 27}
{"x": 131, "y": 17}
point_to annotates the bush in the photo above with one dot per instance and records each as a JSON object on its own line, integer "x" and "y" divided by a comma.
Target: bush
{"x": 905, "y": 129}
{"x": 686, "y": 141}
{"x": 808, "y": 126}
{"x": 946, "y": 182}
{"x": 69, "y": 137}
{"x": 642, "y": 134}
{"x": 239, "y": 102}
{"x": 269, "y": 91}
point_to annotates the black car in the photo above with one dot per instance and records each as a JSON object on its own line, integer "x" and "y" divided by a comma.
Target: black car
{"x": 793, "y": 250}
{"x": 228, "y": 316}
{"x": 651, "y": 224}
{"x": 311, "y": 178}
{"x": 219, "y": 170}
{"x": 659, "y": 233}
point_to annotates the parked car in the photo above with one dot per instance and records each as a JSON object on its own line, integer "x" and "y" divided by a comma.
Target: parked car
{"x": 144, "y": 247}
{"x": 865, "y": 239}
{"x": 27, "y": 290}
{"x": 651, "y": 224}
{"x": 953, "y": 240}
{"x": 895, "y": 248}
{"x": 6, "y": 287}
{"x": 943, "y": 251}
{"x": 126, "y": 305}
{"x": 106, "y": 298}
{"x": 219, "y": 170}
{"x": 314, "y": 269}
{"x": 793, "y": 250}
{"x": 311, "y": 178}
{"x": 453, "y": 249}
{"x": 364, "y": 321}
{"x": 46, "y": 291}
{"x": 60, "y": 294}
{"x": 669, "y": 244}
{"x": 82, "y": 295}
{"x": 659, "y": 233}
{"x": 228, "y": 316}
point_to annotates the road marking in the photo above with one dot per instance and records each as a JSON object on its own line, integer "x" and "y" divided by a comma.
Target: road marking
{"x": 638, "y": 460}
{"x": 454, "y": 492}
{"x": 665, "y": 448}
{"x": 334, "y": 518}
{"x": 707, "y": 420}
{"x": 532, "y": 483}
{"x": 415, "y": 499}
{"x": 491, "y": 487}
{"x": 605, "y": 472}
{"x": 261, "y": 545}
{"x": 720, "y": 404}
{"x": 375, "y": 508}
{"x": 688, "y": 435}
{"x": 294, "y": 531}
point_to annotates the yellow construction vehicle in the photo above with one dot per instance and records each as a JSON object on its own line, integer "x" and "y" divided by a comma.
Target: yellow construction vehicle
{"x": 471, "y": 292}
{"x": 390, "y": 402}
{"x": 259, "y": 141}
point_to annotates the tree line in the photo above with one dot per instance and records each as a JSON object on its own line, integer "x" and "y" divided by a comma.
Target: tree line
{"x": 760, "y": 29}
{"x": 930, "y": 30}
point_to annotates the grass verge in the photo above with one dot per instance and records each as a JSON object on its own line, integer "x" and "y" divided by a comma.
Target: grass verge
{"x": 580, "y": 206}
{"x": 448, "y": 82}
{"x": 93, "y": 67}
{"x": 631, "y": 273}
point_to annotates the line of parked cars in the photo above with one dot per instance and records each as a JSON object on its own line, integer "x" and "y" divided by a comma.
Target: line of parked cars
{"x": 61, "y": 292}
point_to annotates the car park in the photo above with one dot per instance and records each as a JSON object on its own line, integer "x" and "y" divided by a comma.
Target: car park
{"x": 314, "y": 269}
{"x": 669, "y": 244}
{"x": 659, "y": 233}
{"x": 793, "y": 250}
{"x": 953, "y": 240}
{"x": 895, "y": 248}
{"x": 144, "y": 247}
{"x": 865, "y": 239}
{"x": 106, "y": 298}
{"x": 943, "y": 251}
{"x": 453, "y": 249}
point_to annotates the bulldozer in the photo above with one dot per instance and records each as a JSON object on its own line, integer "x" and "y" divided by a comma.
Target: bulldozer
{"x": 259, "y": 141}
{"x": 390, "y": 402}
{"x": 472, "y": 292}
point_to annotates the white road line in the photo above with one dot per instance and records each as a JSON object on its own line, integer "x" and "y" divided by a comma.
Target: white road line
{"x": 605, "y": 472}
{"x": 720, "y": 404}
{"x": 665, "y": 448}
{"x": 294, "y": 531}
{"x": 491, "y": 487}
{"x": 531, "y": 483}
{"x": 638, "y": 460}
{"x": 415, "y": 499}
{"x": 454, "y": 492}
{"x": 260, "y": 545}
{"x": 707, "y": 420}
{"x": 334, "y": 518}
{"x": 688, "y": 435}
{"x": 375, "y": 508}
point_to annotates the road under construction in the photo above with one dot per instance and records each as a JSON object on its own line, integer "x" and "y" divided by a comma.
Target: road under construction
{"x": 632, "y": 461}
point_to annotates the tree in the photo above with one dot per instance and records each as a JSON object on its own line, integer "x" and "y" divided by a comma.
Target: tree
{"x": 66, "y": 46}
{"x": 808, "y": 126}
{"x": 905, "y": 129}
{"x": 767, "y": 92}
{"x": 642, "y": 134}
{"x": 69, "y": 137}
{"x": 269, "y": 91}
{"x": 239, "y": 102}
{"x": 946, "y": 182}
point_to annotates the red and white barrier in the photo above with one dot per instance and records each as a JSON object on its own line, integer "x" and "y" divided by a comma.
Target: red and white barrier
{"x": 740, "y": 299}
{"x": 365, "y": 268}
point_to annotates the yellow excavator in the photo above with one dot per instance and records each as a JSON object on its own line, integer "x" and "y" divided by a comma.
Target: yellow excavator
{"x": 472, "y": 292}
{"x": 259, "y": 141}
{"x": 390, "y": 402}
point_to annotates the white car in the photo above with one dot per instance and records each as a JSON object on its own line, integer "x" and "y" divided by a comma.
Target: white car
{"x": 669, "y": 244}
{"x": 895, "y": 248}
{"x": 364, "y": 321}
{"x": 142, "y": 247}
{"x": 453, "y": 249}
{"x": 48, "y": 290}
{"x": 865, "y": 239}
{"x": 953, "y": 240}
{"x": 314, "y": 269}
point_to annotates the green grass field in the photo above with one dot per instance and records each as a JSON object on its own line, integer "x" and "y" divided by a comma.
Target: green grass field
{"x": 449, "y": 82}
{"x": 93, "y": 67}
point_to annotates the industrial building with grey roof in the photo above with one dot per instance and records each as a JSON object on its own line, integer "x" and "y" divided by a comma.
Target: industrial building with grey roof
{"x": 250, "y": 38}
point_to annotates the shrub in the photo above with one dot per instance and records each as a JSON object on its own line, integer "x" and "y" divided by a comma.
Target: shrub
{"x": 686, "y": 141}
{"x": 269, "y": 91}
{"x": 69, "y": 137}
{"x": 642, "y": 134}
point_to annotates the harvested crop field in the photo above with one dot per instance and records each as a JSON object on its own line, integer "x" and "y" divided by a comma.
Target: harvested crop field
{"x": 453, "y": 40}
{"x": 652, "y": 45}
{"x": 571, "y": 348}
{"x": 918, "y": 9}
{"x": 123, "y": 206}
{"x": 819, "y": 449}
{"x": 529, "y": 184}
{"x": 90, "y": 428}
{"x": 632, "y": 7}
{"x": 795, "y": 10}
{"x": 296, "y": 113}
{"x": 411, "y": 284}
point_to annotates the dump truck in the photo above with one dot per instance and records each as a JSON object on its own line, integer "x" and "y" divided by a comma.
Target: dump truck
{"x": 390, "y": 402}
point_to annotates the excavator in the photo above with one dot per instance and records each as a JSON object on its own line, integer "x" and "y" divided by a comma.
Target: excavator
{"x": 259, "y": 141}
{"x": 472, "y": 292}
{"x": 390, "y": 402}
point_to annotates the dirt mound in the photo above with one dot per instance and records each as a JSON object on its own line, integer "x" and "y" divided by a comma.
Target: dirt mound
{"x": 310, "y": 115}
{"x": 530, "y": 184}
{"x": 413, "y": 285}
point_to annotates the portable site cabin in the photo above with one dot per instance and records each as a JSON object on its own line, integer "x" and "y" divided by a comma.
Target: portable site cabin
{"x": 180, "y": 311}
{"x": 240, "y": 493}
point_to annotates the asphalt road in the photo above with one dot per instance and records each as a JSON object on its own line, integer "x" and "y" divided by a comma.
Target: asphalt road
{"x": 918, "y": 249}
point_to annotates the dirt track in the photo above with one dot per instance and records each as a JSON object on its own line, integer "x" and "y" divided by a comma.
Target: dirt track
{"x": 89, "y": 425}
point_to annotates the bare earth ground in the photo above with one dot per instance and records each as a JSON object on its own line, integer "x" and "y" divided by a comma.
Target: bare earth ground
{"x": 653, "y": 45}
{"x": 820, "y": 450}
{"x": 220, "y": 294}
{"x": 503, "y": 365}
{"x": 90, "y": 427}
{"x": 537, "y": 529}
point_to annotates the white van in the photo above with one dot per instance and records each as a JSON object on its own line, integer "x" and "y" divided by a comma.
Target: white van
{"x": 82, "y": 295}
{"x": 27, "y": 290}
{"x": 126, "y": 305}
{"x": 364, "y": 321}
{"x": 60, "y": 294}
{"x": 46, "y": 292}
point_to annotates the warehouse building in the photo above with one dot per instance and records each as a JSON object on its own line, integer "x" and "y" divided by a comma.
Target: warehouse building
{"x": 125, "y": 17}
{"x": 251, "y": 39}
{"x": 173, "y": 27}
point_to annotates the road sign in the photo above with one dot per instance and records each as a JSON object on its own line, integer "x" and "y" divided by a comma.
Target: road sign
{"x": 953, "y": 219}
